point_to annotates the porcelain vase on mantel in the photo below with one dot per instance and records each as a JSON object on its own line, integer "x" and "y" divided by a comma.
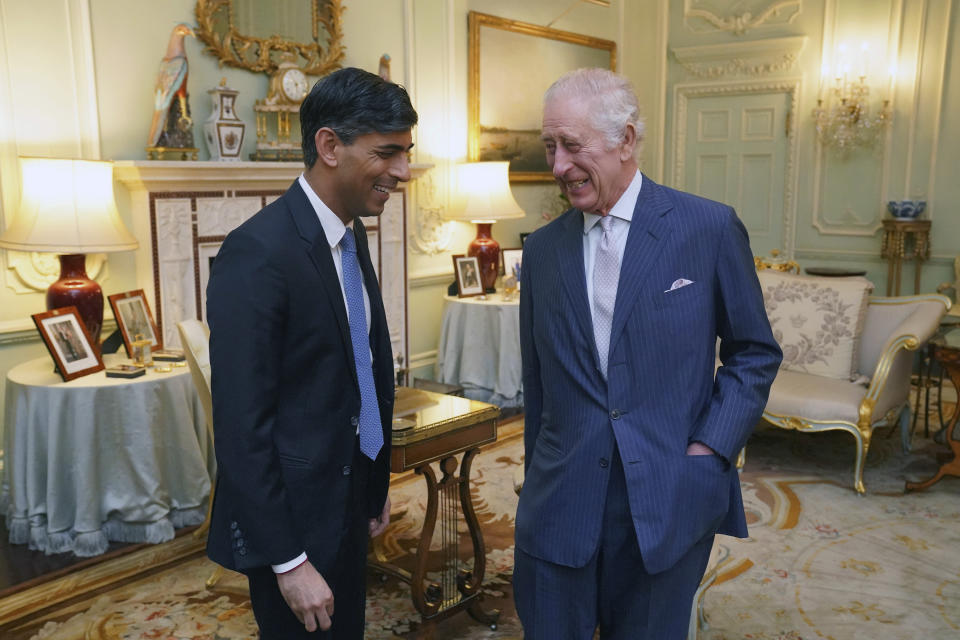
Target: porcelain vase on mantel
{"x": 223, "y": 130}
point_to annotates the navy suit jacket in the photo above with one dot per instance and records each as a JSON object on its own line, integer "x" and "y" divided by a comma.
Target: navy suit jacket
{"x": 662, "y": 393}
{"x": 285, "y": 391}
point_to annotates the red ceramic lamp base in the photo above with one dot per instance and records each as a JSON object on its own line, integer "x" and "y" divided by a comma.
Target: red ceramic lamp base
{"x": 74, "y": 288}
{"x": 487, "y": 252}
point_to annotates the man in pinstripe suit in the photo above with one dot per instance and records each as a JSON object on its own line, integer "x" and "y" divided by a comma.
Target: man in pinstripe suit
{"x": 629, "y": 437}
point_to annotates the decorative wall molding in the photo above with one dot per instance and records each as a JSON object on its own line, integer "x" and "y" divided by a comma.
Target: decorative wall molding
{"x": 30, "y": 273}
{"x": 423, "y": 359}
{"x": 702, "y": 15}
{"x": 683, "y": 93}
{"x": 431, "y": 233}
{"x": 23, "y": 331}
{"x": 755, "y": 58}
{"x": 431, "y": 278}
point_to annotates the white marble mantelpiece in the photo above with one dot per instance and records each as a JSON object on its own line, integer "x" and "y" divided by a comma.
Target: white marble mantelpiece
{"x": 182, "y": 210}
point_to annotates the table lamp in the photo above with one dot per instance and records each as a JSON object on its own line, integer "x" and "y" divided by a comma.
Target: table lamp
{"x": 67, "y": 207}
{"x": 482, "y": 195}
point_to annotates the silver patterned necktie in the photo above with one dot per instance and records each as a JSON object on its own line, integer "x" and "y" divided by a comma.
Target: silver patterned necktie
{"x": 606, "y": 276}
{"x": 370, "y": 430}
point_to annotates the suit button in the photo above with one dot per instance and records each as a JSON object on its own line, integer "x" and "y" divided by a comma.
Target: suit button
{"x": 604, "y": 463}
{"x": 615, "y": 414}
{"x": 354, "y": 421}
{"x": 234, "y": 525}
{"x": 347, "y": 469}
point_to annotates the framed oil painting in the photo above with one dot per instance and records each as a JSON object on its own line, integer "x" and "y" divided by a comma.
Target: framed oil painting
{"x": 68, "y": 342}
{"x": 511, "y": 65}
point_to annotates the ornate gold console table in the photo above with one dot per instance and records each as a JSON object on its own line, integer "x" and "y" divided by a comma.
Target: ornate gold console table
{"x": 430, "y": 427}
{"x": 896, "y": 234}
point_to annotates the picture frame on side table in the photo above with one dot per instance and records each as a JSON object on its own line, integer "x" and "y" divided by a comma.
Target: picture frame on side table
{"x": 467, "y": 271}
{"x": 512, "y": 259}
{"x": 510, "y": 66}
{"x": 134, "y": 318}
{"x": 68, "y": 342}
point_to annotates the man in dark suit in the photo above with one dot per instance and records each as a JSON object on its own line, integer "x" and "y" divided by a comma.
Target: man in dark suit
{"x": 629, "y": 437}
{"x": 302, "y": 370}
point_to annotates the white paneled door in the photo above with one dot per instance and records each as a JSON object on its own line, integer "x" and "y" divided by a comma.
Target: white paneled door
{"x": 736, "y": 153}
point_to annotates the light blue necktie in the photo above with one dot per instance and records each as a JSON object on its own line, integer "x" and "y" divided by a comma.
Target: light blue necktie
{"x": 606, "y": 276}
{"x": 371, "y": 432}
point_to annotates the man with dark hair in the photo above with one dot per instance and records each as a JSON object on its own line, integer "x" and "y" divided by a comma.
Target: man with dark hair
{"x": 302, "y": 369}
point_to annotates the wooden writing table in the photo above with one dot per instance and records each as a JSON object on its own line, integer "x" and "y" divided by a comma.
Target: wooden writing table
{"x": 431, "y": 427}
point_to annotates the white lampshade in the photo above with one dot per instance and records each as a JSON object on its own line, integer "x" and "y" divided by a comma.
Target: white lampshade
{"x": 481, "y": 193}
{"x": 67, "y": 207}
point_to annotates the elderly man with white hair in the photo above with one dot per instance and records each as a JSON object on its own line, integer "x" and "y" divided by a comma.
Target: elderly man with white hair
{"x": 629, "y": 436}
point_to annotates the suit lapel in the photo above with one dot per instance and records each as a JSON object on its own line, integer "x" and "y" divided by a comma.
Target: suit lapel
{"x": 644, "y": 243}
{"x": 311, "y": 232}
{"x": 570, "y": 260}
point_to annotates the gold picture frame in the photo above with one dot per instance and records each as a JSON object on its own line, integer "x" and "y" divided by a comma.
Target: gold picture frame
{"x": 511, "y": 65}
{"x": 316, "y": 55}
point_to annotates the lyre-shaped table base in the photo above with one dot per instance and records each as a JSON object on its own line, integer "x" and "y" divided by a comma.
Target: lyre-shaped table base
{"x": 458, "y": 587}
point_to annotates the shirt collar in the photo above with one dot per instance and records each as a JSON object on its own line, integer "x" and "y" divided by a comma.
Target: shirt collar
{"x": 333, "y": 227}
{"x": 624, "y": 207}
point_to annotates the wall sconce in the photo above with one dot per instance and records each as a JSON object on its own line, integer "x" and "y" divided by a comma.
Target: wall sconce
{"x": 842, "y": 115}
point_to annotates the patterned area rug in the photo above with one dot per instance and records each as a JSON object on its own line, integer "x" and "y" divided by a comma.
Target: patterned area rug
{"x": 822, "y": 562}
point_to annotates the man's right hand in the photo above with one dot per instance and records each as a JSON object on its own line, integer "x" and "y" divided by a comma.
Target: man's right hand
{"x": 308, "y": 596}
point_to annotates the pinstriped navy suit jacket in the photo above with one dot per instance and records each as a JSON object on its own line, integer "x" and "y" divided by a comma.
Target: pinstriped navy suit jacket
{"x": 661, "y": 393}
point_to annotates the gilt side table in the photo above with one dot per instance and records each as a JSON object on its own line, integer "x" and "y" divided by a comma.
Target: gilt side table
{"x": 899, "y": 236}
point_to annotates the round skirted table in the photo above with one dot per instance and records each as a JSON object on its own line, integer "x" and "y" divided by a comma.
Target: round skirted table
{"x": 101, "y": 459}
{"x": 480, "y": 349}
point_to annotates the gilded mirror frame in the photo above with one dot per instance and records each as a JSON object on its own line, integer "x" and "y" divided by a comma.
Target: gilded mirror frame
{"x": 256, "y": 54}
{"x": 478, "y": 24}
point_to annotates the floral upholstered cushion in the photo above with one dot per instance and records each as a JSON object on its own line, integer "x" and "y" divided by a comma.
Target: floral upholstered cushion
{"x": 816, "y": 321}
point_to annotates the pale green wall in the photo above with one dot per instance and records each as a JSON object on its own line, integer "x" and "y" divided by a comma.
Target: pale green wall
{"x": 840, "y": 202}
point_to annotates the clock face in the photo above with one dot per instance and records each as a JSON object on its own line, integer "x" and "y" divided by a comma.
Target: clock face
{"x": 294, "y": 85}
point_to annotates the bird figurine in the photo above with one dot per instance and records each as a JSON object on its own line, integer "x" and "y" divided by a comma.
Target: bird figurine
{"x": 384, "y": 70}
{"x": 172, "y": 126}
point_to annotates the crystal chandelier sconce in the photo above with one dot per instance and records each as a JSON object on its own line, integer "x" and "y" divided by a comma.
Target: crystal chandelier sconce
{"x": 843, "y": 116}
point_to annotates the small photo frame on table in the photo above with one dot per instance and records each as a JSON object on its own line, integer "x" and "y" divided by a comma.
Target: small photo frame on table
{"x": 134, "y": 319}
{"x": 68, "y": 342}
{"x": 467, "y": 271}
{"x": 511, "y": 262}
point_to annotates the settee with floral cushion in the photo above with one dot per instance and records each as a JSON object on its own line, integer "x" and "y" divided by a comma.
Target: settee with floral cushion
{"x": 847, "y": 356}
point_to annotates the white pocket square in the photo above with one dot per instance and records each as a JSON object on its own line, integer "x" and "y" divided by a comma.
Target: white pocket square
{"x": 678, "y": 283}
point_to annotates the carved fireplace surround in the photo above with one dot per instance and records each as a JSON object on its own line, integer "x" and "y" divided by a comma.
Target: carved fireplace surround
{"x": 183, "y": 210}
